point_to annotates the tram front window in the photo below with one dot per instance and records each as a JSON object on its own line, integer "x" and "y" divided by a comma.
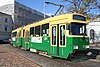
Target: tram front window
{"x": 77, "y": 29}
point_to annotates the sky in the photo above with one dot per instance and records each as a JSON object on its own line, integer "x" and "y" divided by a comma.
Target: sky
{"x": 50, "y": 9}
{"x": 39, "y": 5}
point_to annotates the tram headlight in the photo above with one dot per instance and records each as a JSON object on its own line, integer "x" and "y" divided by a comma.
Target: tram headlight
{"x": 75, "y": 47}
{"x": 87, "y": 46}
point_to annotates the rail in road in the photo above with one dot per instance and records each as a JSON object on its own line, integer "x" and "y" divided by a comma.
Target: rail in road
{"x": 49, "y": 62}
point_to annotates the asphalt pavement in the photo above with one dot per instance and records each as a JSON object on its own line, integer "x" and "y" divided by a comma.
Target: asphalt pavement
{"x": 92, "y": 61}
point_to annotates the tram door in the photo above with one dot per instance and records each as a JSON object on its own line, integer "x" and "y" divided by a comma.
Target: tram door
{"x": 18, "y": 38}
{"x": 57, "y": 39}
{"x": 26, "y": 36}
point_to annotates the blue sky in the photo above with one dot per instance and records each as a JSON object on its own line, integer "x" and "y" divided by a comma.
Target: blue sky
{"x": 39, "y": 5}
{"x": 50, "y": 9}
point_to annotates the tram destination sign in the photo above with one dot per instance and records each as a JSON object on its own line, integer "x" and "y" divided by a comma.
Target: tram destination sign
{"x": 78, "y": 17}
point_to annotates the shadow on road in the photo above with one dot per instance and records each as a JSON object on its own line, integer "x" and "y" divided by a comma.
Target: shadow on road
{"x": 5, "y": 43}
{"x": 81, "y": 56}
{"x": 95, "y": 53}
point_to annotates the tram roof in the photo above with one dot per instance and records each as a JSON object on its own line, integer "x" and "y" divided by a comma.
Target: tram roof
{"x": 47, "y": 20}
{"x": 17, "y": 29}
{"x": 58, "y": 17}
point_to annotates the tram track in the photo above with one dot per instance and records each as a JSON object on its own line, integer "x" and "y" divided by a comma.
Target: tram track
{"x": 24, "y": 57}
{"x": 45, "y": 61}
{"x": 9, "y": 58}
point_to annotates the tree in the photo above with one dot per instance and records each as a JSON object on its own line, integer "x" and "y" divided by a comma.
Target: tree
{"x": 85, "y": 7}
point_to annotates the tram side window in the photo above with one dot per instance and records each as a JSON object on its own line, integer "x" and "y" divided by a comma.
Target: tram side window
{"x": 54, "y": 28}
{"x": 62, "y": 35}
{"x": 45, "y": 29}
{"x": 32, "y": 31}
{"x": 14, "y": 34}
{"x": 37, "y": 31}
{"x": 23, "y": 33}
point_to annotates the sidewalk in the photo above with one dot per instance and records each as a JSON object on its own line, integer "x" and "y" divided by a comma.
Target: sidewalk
{"x": 95, "y": 46}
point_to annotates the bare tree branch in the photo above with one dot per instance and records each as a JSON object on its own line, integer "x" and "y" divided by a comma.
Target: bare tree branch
{"x": 82, "y": 6}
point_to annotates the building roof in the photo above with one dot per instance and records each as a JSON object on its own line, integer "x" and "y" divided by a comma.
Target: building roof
{"x": 5, "y": 13}
{"x": 28, "y": 8}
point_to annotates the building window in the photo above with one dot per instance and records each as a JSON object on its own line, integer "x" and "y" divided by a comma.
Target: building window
{"x": 6, "y": 20}
{"x": 0, "y": 25}
{"x": 5, "y": 28}
{"x": 0, "y": 18}
{"x": 92, "y": 35}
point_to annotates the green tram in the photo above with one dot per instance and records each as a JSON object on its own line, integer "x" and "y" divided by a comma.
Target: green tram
{"x": 58, "y": 36}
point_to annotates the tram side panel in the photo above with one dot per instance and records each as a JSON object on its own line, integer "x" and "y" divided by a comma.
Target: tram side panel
{"x": 13, "y": 40}
{"x": 40, "y": 43}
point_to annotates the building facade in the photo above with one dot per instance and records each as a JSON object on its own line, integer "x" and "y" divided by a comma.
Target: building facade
{"x": 21, "y": 14}
{"x": 6, "y": 25}
{"x": 93, "y": 30}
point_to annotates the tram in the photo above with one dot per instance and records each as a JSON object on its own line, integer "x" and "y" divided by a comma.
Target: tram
{"x": 58, "y": 36}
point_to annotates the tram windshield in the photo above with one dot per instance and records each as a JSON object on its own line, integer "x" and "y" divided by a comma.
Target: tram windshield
{"x": 77, "y": 29}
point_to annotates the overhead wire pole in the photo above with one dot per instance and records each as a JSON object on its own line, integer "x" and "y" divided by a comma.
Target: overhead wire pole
{"x": 44, "y": 9}
{"x": 61, "y": 6}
